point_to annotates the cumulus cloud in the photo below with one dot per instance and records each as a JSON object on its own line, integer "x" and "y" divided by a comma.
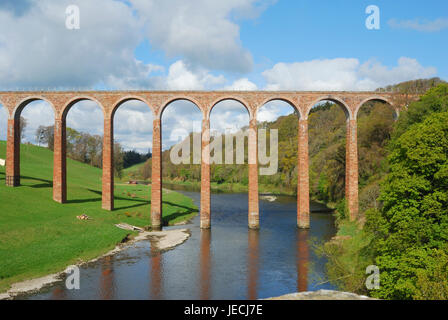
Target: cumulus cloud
{"x": 272, "y": 110}
{"x": 242, "y": 84}
{"x": 419, "y": 25}
{"x": 201, "y": 31}
{"x": 342, "y": 74}
{"x": 181, "y": 78}
{"x": 228, "y": 116}
{"x": 133, "y": 126}
{"x": 38, "y": 51}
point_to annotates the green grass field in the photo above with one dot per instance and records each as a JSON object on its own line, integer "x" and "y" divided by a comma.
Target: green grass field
{"x": 39, "y": 236}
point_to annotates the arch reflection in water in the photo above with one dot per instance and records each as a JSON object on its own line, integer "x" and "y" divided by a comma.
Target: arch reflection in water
{"x": 205, "y": 264}
{"x": 156, "y": 274}
{"x": 302, "y": 259}
{"x": 107, "y": 291}
{"x": 58, "y": 293}
{"x": 252, "y": 263}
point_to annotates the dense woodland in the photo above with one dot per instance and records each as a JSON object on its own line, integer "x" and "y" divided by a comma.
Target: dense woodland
{"x": 406, "y": 234}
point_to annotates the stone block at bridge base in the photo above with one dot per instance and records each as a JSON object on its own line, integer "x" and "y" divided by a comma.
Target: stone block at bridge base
{"x": 13, "y": 181}
{"x": 254, "y": 221}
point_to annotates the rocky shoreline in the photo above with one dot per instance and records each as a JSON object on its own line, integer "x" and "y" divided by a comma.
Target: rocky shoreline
{"x": 321, "y": 295}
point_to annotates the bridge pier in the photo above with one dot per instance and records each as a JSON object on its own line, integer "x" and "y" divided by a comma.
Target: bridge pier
{"x": 205, "y": 175}
{"x": 13, "y": 153}
{"x": 303, "y": 181}
{"x": 60, "y": 161}
{"x": 156, "y": 173}
{"x": 351, "y": 169}
{"x": 108, "y": 165}
{"x": 254, "y": 217}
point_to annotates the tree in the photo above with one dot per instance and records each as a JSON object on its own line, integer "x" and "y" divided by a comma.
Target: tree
{"x": 22, "y": 125}
{"x": 413, "y": 222}
{"x": 45, "y": 135}
{"x": 118, "y": 160}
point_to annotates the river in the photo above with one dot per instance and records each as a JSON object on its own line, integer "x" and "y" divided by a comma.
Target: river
{"x": 227, "y": 262}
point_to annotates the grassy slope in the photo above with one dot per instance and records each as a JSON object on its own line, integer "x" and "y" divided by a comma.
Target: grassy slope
{"x": 39, "y": 236}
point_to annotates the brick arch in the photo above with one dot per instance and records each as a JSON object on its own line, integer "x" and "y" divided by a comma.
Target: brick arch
{"x": 292, "y": 104}
{"x": 130, "y": 98}
{"x": 180, "y": 98}
{"x": 241, "y": 101}
{"x": 337, "y": 100}
{"x": 77, "y": 99}
{"x": 23, "y": 103}
{"x": 395, "y": 110}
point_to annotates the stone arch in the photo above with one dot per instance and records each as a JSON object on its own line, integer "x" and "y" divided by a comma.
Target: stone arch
{"x": 241, "y": 101}
{"x": 125, "y": 99}
{"x": 180, "y": 98}
{"x": 77, "y": 99}
{"x": 395, "y": 110}
{"x": 23, "y": 103}
{"x": 292, "y": 104}
{"x": 340, "y": 102}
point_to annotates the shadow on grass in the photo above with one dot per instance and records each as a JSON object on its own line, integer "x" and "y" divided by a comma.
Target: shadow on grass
{"x": 175, "y": 215}
{"x": 45, "y": 184}
{"x": 140, "y": 202}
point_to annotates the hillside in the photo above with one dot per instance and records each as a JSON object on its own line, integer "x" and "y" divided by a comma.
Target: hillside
{"x": 405, "y": 235}
{"x": 39, "y": 236}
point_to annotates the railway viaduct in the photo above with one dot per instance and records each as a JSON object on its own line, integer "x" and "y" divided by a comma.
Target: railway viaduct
{"x": 157, "y": 101}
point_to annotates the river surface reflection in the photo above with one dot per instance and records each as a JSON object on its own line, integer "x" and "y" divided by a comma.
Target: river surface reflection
{"x": 227, "y": 262}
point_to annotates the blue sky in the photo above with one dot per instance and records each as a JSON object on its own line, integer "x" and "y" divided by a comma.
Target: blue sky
{"x": 211, "y": 45}
{"x": 290, "y": 31}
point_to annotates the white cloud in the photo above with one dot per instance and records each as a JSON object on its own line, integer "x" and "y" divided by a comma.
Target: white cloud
{"x": 418, "y": 25}
{"x": 228, "y": 116}
{"x": 44, "y": 53}
{"x": 201, "y": 31}
{"x": 133, "y": 126}
{"x": 272, "y": 110}
{"x": 342, "y": 74}
{"x": 36, "y": 114}
{"x": 181, "y": 78}
{"x": 242, "y": 84}
{"x": 86, "y": 116}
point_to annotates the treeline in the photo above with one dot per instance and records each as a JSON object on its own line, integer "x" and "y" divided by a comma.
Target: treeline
{"x": 406, "y": 234}
{"x": 415, "y": 86}
{"x": 88, "y": 148}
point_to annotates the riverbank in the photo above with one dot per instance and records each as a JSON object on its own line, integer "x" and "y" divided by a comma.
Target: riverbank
{"x": 161, "y": 240}
{"x": 39, "y": 237}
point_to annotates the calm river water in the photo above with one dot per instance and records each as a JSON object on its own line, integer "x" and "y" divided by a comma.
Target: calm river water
{"x": 227, "y": 262}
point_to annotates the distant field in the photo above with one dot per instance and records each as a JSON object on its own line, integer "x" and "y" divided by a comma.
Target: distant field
{"x": 39, "y": 236}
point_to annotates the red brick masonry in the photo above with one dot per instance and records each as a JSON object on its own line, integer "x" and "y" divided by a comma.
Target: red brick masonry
{"x": 110, "y": 101}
